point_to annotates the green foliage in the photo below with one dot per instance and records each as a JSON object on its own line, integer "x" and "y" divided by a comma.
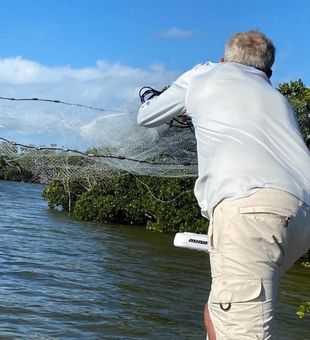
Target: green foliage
{"x": 14, "y": 171}
{"x": 17, "y": 174}
{"x": 117, "y": 200}
{"x": 175, "y": 208}
{"x": 299, "y": 97}
{"x": 162, "y": 204}
{"x": 62, "y": 193}
{"x": 55, "y": 194}
{"x": 303, "y": 309}
{"x": 3, "y": 162}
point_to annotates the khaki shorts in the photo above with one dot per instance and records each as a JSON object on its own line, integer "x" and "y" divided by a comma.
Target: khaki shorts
{"x": 252, "y": 241}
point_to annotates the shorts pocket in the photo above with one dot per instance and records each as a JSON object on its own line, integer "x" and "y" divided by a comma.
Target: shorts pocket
{"x": 236, "y": 307}
{"x": 272, "y": 211}
{"x": 231, "y": 289}
{"x": 271, "y": 225}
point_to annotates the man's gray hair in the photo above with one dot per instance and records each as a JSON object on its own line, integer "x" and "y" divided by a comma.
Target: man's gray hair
{"x": 251, "y": 48}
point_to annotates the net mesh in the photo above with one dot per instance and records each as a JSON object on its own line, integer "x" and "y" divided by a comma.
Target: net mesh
{"x": 61, "y": 141}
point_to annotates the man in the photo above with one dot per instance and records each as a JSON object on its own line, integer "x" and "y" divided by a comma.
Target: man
{"x": 253, "y": 184}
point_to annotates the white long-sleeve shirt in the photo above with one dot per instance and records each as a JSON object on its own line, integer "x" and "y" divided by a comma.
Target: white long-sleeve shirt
{"x": 247, "y": 134}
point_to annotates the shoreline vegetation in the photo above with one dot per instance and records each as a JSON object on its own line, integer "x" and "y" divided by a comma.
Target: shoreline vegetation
{"x": 160, "y": 204}
{"x": 13, "y": 171}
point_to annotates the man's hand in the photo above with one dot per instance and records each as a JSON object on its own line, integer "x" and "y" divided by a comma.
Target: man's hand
{"x": 183, "y": 119}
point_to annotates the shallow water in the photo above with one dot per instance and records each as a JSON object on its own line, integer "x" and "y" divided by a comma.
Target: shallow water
{"x": 65, "y": 279}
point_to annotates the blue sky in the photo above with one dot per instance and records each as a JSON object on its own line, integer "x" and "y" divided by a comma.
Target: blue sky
{"x": 132, "y": 32}
{"x": 100, "y": 52}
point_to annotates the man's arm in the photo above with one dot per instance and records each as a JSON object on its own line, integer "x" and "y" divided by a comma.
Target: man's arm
{"x": 168, "y": 105}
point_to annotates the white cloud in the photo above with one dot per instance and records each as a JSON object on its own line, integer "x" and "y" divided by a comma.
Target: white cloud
{"x": 106, "y": 85}
{"x": 177, "y": 33}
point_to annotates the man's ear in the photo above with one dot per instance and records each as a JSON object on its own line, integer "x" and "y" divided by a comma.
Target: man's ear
{"x": 222, "y": 60}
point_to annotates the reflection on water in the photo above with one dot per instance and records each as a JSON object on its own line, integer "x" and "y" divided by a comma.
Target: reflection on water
{"x": 65, "y": 279}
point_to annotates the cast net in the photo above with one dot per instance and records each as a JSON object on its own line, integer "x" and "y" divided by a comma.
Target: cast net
{"x": 58, "y": 140}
